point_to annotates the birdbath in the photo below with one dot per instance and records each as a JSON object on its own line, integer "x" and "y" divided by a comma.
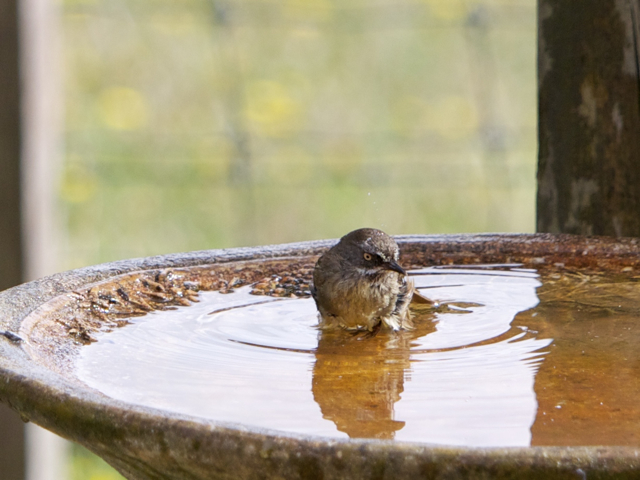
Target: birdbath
{"x": 208, "y": 365}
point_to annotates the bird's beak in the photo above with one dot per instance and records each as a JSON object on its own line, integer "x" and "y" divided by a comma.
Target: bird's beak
{"x": 392, "y": 265}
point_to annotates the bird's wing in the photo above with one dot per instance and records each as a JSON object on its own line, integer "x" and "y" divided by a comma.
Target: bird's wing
{"x": 420, "y": 299}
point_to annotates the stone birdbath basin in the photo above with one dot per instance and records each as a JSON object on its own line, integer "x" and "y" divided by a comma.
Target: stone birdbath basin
{"x": 561, "y": 366}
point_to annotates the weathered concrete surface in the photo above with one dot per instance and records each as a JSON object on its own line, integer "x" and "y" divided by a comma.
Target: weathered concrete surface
{"x": 145, "y": 444}
{"x": 589, "y": 117}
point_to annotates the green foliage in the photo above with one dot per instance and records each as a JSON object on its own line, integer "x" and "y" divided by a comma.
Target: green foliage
{"x": 196, "y": 124}
{"x": 85, "y": 465}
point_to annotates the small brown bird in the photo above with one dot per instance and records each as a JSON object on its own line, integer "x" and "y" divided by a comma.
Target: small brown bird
{"x": 358, "y": 284}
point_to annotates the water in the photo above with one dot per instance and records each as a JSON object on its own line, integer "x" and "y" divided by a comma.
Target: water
{"x": 507, "y": 359}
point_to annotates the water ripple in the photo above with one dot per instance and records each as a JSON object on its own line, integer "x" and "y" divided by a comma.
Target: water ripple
{"x": 458, "y": 379}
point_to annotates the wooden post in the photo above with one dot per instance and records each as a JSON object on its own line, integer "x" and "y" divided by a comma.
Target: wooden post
{"x": 589, "y": 117}
{"x": 40, "y": 70}
{"x": 11, "y": 269}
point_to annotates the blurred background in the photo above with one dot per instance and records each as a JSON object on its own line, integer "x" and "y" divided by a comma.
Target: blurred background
{"x": 198, "y": 124}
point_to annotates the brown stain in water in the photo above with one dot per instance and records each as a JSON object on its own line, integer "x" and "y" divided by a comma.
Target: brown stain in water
{"x": 588, "y": 386}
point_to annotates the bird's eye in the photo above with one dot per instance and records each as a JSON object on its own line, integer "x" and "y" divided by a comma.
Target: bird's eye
{"x": 367, "y": 256}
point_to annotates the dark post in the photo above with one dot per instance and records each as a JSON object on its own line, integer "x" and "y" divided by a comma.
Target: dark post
{"x": 12, "y": 464}
{"x": 589, "y": 117}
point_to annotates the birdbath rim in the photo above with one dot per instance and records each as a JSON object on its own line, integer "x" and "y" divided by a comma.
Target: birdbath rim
{"x": 143, "y": 442}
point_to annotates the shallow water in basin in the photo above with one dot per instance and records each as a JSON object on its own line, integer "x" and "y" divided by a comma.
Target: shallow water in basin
{"x": 507, "y": 359}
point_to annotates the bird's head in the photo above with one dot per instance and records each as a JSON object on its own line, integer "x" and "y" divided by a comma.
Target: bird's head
{"x": 370, "y": 250}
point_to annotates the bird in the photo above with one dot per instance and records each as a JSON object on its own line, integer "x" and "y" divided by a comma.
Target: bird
{"x": 359, "y": 285}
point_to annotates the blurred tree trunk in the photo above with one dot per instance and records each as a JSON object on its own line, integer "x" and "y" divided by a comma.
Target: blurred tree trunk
{"x": 12, "y": 465}
{"x": 589, "y": 117}
{"x": 29, "y": 149}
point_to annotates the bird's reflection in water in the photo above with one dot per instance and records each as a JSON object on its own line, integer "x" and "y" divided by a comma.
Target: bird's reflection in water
{"x": 358, "y": 378}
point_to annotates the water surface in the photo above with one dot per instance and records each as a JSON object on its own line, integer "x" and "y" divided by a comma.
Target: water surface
{"x": 467, "y": 375}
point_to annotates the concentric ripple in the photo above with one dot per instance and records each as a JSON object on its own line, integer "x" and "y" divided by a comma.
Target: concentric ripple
{"x": 464, "y": 376}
